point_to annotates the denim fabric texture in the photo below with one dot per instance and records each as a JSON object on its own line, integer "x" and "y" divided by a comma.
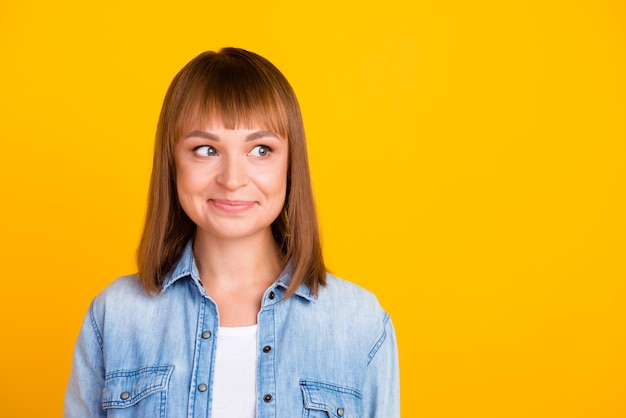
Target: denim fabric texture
{"x": 333, "y": 355}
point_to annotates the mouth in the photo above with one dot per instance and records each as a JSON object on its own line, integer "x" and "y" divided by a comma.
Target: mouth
{"x": 232, "y": 206}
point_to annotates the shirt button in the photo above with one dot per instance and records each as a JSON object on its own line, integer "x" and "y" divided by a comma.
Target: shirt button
{"x": 267, "y": 349}
{"x": 124, "y": 396}
{"x": 202, "y": 387}
{"x": 340, "y": 412}
{"x": 206, "y": 334}
{"x": 267, "y": 398}
{"x": 272, "y": 295}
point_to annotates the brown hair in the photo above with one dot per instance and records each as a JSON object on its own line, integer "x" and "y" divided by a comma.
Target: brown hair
{"x": 240, "y": 89}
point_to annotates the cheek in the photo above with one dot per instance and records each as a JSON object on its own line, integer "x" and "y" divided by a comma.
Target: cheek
{"x": 276, "y": 182}
{"x": 189, "y": 179}
{"x": 271, "y": 177}
{"x": 182, "y": 183}
{"x": 189, "y": 190}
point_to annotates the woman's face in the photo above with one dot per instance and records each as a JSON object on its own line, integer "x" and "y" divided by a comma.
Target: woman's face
{"x": 231, "y": 182}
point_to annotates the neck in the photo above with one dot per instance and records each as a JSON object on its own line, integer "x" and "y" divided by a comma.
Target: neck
{"x": 236, "y": 263}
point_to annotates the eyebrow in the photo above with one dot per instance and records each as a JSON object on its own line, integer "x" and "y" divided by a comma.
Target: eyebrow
{"x": 213, "y": 137}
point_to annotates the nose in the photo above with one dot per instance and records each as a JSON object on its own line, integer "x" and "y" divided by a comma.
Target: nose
{"x": 233, "y": 173}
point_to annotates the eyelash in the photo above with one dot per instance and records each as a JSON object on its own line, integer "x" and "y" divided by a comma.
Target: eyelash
{"x": 196, "y": 150}
{"x": 268, "y": 150}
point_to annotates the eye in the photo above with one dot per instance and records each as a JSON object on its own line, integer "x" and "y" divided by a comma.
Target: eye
{"x": 205, "y": 151}
{"x": 260, "y": 151}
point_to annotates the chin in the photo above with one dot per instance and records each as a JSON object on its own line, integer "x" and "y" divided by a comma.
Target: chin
{"x": 236, "y": 232}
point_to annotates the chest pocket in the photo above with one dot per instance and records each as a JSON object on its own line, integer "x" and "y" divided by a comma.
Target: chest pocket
{"x": 326, "y": 400}
{"x": 136, "y": 393}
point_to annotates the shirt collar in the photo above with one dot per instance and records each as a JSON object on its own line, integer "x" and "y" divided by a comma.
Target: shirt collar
{"x": 284, "y": 279}
{"x": 186, "y": 266}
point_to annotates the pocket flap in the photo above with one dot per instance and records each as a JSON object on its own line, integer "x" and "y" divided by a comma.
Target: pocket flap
{"x": 337, "y": 401}
{"x": 123, "y": 388}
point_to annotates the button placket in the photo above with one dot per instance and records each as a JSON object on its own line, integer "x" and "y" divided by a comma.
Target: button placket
{"x": 201, "y": 374}
{"x": 267, "y": 359}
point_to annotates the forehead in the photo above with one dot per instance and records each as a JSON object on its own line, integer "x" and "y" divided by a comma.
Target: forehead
{"x": 209, "y": 117}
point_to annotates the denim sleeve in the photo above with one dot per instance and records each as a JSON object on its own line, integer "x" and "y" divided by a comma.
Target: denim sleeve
{"x": 83, "y": 397}
{"x": 381, "y": 392}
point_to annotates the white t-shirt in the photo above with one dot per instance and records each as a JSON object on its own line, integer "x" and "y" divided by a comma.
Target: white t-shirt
{"x": 234, "y": 378}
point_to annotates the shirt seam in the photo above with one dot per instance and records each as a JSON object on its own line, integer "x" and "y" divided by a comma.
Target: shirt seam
{"x": 94, "y": 325}
{"x": 380, "y": 340}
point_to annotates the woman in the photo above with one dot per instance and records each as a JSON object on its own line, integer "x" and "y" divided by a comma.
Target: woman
{"x": 232, "y": 313}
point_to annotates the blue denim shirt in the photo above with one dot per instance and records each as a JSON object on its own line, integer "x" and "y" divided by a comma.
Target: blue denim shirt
{"x": 333, "y": 355}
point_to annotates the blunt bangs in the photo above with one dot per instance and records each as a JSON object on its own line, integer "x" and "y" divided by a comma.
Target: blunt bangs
{"x": 232, "y": 89}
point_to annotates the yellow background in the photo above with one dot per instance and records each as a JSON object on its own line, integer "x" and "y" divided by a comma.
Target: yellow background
{"x": 469, "y": 161}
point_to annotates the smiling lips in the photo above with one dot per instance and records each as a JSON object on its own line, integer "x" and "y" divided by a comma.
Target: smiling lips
{"x": 232, "y": 206}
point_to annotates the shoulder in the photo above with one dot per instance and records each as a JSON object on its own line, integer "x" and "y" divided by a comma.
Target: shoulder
{"x": 346, "y": 298}
{"x": 340, "y": 289}
{"x": 124, "y": 286}
{"x": 348, "y": 309}
{"x": 121, "y": 294}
